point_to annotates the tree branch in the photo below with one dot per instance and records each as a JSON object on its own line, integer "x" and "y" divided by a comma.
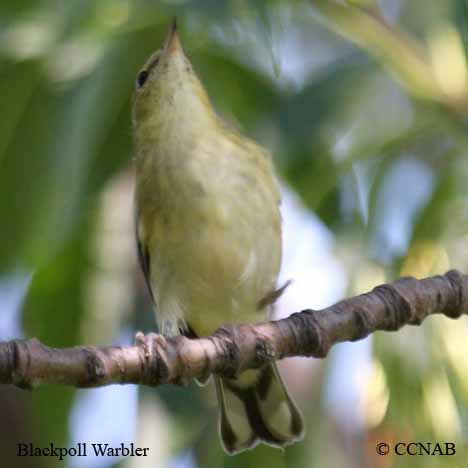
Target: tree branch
{"x": 155, "y": 360}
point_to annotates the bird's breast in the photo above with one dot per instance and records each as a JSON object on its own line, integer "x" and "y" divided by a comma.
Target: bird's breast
{"x": 211, "y": 221}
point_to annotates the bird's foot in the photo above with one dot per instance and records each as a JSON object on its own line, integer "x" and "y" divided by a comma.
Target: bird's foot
{"x": 149, "y": 342}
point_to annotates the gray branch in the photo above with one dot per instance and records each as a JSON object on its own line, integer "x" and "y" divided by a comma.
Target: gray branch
{"x": 155, "y": 360}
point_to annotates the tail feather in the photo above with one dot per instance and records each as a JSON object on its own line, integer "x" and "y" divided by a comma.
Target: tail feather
{"x": 256, "y": 408}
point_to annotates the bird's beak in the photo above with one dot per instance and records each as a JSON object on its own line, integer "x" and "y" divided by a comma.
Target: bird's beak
{"x": 172, "y": 42}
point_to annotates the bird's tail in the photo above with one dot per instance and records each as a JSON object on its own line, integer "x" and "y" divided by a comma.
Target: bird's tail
{"x": 256, "y": 408}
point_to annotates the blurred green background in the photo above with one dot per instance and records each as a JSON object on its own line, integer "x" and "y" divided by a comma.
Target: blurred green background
{"x": 364, "y": 105}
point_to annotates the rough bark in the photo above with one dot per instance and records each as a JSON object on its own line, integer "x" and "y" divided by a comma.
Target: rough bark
{"x": 155, "y": 360}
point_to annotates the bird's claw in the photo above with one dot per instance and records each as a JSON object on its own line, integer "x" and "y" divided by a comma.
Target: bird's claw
{"x": 149, "y": 342}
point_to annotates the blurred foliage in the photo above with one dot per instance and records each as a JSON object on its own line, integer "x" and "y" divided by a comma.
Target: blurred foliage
{"x": 364, "y": 105}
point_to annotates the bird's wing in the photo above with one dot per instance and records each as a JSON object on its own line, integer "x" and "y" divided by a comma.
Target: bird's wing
{"x": 144, "y": 258}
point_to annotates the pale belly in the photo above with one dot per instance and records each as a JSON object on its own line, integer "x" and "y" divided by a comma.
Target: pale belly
{"x": 212, "y": 227}
{"x": 208, "y": 274}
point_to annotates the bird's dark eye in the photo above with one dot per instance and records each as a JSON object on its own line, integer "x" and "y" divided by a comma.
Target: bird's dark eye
{"x": 141, "y": 78}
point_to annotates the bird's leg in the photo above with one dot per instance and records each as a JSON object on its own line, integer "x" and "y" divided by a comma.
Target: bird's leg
{"x": 149, "y": 341}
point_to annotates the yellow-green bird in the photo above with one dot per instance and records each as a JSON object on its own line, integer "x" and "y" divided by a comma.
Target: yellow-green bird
{"x": 209, "y": 235}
